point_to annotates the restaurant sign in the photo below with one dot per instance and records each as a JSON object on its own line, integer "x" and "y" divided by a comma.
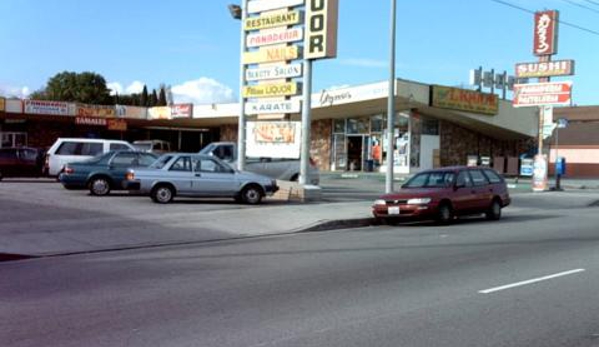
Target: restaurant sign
{"x": 95, "y": 111}
{"x": 93, "y": 121}
{"x": 545, "y": 33}
{"x": 116, "y": 124}
{"x": 545, "y": 69}
{"x": 271, "y": 90}
{"x": 273, "y": 20}
{"x": 464, "y": 100}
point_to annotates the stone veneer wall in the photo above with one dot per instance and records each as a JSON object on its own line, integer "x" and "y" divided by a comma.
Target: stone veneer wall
{"x": 321, "y": 143}
{"x": 457, "y": 143}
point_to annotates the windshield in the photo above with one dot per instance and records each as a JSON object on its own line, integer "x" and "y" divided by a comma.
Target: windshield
{"x": 161, "y": 161}
{"x": 208, "y": 149}
{"x": 441, "y": 179}
{"x": 143, "y": 146}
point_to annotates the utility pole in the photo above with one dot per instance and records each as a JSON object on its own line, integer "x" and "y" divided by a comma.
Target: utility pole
{"x": 391, "y": 105}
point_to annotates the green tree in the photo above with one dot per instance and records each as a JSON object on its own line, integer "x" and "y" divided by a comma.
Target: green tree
{"x": 153, "y": 98}
{"x": 162, "y": 96}
{"x": 85, "y": 87}
{"x": 143, "y": 99}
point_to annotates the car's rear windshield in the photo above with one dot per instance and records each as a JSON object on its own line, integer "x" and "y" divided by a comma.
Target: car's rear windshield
{"x": 440, "y": 179}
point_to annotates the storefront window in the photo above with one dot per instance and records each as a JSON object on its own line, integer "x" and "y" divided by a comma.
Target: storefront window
{"x": 377, "y": 123}
{"x": 357, "y": 126}
{"x": 339, "y": 126}
{"x": 430, "y": 126}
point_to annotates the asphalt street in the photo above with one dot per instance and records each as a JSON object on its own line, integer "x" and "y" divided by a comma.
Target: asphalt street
{"x": 530, "y": 279}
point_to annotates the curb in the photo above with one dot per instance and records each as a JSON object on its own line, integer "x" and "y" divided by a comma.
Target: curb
{"x": 338, "y": 224}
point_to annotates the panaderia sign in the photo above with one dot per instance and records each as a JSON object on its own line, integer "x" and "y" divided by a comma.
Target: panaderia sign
{"x": 464, "y": 100}
{"x": 53, "y": 108}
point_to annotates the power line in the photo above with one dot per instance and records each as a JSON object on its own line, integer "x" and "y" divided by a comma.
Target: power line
{"x": 581, "y": 6}
{"x": 575, "y": 26}
{"x": 592, "y": 2}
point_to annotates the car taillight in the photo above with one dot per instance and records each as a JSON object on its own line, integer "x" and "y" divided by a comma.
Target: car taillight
{"x": 130, "y": 176}
{"x": 69, "y": 170}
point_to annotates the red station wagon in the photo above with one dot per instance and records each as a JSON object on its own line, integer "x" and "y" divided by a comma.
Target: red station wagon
{"x": 445, "y": 193}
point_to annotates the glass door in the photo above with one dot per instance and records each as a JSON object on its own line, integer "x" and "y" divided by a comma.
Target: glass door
{"x": 339, "y": 152}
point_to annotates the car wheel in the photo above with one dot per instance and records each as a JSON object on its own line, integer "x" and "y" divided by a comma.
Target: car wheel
{"x": 99, "y": 186}
{"x": 494, "y": 211}
{"x": 445, "y": 214}
{"x": 251, "y": 195}
{"x": 162, "y": 194}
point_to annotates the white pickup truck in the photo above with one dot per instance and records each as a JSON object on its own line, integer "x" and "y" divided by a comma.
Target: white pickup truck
{"x": 281, "y": 169}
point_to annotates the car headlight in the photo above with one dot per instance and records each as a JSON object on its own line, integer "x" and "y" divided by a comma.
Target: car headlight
{"x": 379, "y": 202}
{"x": 419, "y": 201}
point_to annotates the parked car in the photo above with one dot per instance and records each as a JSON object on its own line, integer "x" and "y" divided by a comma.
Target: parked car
{"x": 104, "y": 172}
{"x": 153, "y": 146}
{"x": 279, "y": 168}
{"x": 444, "y": 194}
{"x": 195, "y": 175}
{"x": 71, "y": 150}
{"x": 21, "y": 162}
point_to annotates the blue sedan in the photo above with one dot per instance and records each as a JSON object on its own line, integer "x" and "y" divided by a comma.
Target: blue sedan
{"x": 105, "y": 172}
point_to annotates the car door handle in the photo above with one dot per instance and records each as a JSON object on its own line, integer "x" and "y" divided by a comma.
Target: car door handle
{"x": 198, "y": 175}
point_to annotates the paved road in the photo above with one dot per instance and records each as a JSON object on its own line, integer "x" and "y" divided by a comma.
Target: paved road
{"x": 412, "y": 285}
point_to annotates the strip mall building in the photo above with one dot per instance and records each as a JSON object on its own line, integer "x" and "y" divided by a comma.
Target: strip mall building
{"x": 434, "y": 126}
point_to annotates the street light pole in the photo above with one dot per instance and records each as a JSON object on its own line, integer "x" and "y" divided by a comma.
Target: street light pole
{"x": 391, "y": 105}
{"x": 240, "y": 12}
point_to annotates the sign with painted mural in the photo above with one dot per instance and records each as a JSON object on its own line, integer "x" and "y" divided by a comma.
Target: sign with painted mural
{"x": 321, "y": 29}
{"x": 92, "y": 121}
{"x": 539, "y": 94}
{"x": 274, "y": 139}
{"x": 52, "y": 108}
{"x": 274, "y": 72}
{"x": 545, "y": 33}
{"x": 545, "y": 69}
{"x": 273, "y": 20}
{"x": 271, "y": 54}
{"x": 271, "y": 90}
{"x": 2, "y": 104}
{"x": 275, "y": 37}
{"x": 116, "y": 124}
{"x": 273, "y": 107}
{"x": 255, "y": 6}
{"x": 159, "y": 113}
{"x": 95, "y": 111}
{"x": 464, "y": 100}
{"x": 181, "y": 111}
{"x": 133, "y": 112}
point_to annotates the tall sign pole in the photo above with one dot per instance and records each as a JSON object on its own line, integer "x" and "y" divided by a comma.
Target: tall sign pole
{"x": 391, "y": 105}
{"x": 242, "y": 120}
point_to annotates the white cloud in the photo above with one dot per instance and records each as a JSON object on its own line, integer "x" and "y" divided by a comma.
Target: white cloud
{"x": 19, "y": 92}
{"x": 116, "y": 87}
{"x": 365, "y": 63}
{"x": 202, "y": 91}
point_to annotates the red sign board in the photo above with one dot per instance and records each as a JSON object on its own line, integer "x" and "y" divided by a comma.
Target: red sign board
{"x": 539, "y": 94}
{"x": 545, "y": 33}
{"x": 116, "y": 124}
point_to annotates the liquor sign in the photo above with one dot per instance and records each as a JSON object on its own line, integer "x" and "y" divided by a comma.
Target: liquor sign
{"x": 539, "y": 94}
{"x": 273, "y": 20}
{"x": 271, "y": 90}
{"x": 275, "y": 37}
{"x": 273, "y": 107}
{"x": 93, "y": 121}
{"x": 271, "y": 54}
{"x": 274, "y": 72}
{"x": 545, "y": 69}
{"x": 256, "y": 6}
{"x": 545, "y": 33}
{"x": 321, "y": 29}
{"x": 464, "y": 100}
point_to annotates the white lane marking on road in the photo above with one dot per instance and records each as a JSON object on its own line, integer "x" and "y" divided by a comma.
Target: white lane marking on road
{"x": 534, "y": 280}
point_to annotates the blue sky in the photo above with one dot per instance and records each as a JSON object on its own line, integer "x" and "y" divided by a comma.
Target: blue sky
{"x": 193, "y": 45}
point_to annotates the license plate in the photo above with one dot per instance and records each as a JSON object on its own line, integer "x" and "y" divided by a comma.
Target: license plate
{"x": 393, "y": 210}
